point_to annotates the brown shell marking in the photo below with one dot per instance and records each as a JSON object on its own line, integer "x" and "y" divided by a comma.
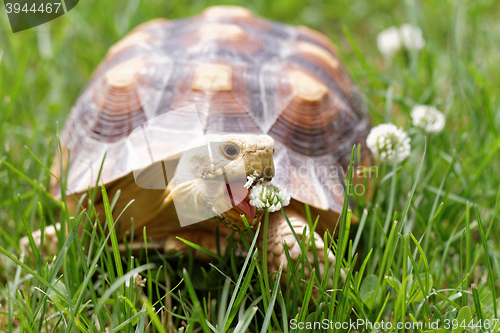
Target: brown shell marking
{"x": 118, "y": 102}
{"x": 220, "y": 95}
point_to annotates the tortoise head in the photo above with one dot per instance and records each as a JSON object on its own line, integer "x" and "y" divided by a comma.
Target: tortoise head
{"x": 210, "y": 180}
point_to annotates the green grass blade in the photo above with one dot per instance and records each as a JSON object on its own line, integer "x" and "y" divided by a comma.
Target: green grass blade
{"x": 270, "y": 309}
{"x": 198, "y": 311}
{"x": 114, "y": 240}
{"x": 491, "y": 276}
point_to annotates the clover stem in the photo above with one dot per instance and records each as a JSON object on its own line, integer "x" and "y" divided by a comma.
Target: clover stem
{"x": 264, "y": 251}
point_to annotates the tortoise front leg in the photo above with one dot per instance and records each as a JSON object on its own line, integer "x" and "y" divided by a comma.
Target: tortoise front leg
{"x": 280, "y": 232}
{"x": 50, "y": 241}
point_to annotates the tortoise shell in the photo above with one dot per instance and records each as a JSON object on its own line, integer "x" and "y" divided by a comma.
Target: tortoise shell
{"x": 245, "y": 74}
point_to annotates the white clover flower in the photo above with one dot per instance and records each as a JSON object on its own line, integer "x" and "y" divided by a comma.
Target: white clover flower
{"x": 384, "y": 139}
{"x": 428, "y": 118}
{"x": 411, "y": 36}
{"x": 251, "y": 179}
{"x": 268, "y": 196}
{"x": 389, "y": 41}
{"x": 137, "y": 281}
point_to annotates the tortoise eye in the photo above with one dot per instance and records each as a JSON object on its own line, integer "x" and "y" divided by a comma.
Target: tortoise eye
{"x": 231, "y": 151}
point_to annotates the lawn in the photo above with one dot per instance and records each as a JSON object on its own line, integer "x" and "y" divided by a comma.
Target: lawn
{"x": 425, "y": 251}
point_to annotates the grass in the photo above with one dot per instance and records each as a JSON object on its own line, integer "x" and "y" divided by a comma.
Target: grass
{"x": 426, "y": 247}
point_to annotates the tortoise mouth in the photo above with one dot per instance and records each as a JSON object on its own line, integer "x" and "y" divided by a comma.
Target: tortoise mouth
{"x": 238, "y": 196}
